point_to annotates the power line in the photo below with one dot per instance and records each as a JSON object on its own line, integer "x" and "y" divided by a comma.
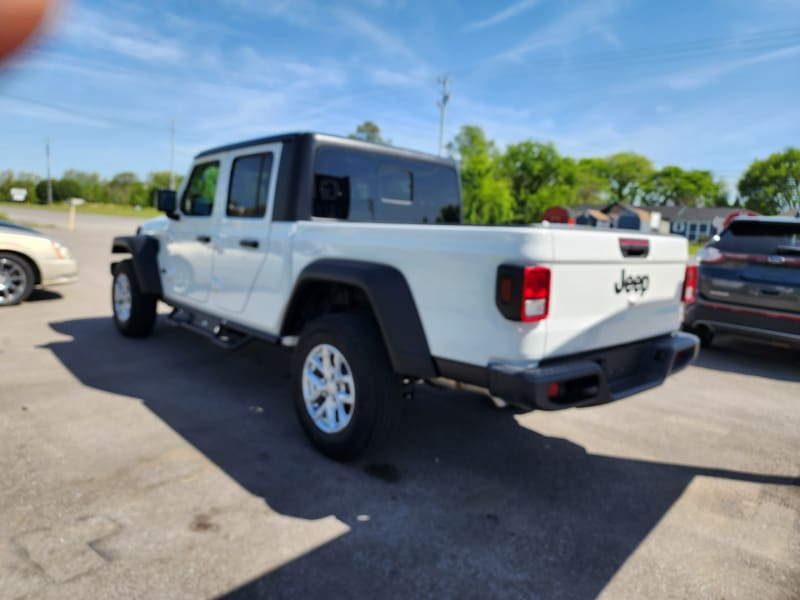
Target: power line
{"x": 669, "y": 53}
{"x": 81, "y": 114}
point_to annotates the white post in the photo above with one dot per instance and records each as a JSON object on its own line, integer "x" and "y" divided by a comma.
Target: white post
{"x": 72, "y": 209}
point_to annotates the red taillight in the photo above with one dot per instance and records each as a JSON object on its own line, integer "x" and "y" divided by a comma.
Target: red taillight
{"x": 523, "y": 293}
{"x": 535, "y": 300}
{"x": 690, "y": 285}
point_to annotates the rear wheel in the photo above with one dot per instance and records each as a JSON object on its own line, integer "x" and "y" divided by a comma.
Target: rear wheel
{"x": 134, "y": 312}
{"x": 16, "y": 279}
{"x": 706, "y": 336}
{"x": 345, "y": 391}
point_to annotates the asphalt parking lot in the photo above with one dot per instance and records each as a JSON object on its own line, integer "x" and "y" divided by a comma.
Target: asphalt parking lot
{"x": 169, "y": 468}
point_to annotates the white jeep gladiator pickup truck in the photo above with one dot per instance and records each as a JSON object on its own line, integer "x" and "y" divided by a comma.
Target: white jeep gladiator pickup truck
{"x": 354, "y": 255}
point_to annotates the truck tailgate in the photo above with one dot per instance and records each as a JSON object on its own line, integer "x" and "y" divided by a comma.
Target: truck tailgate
{"x": 610, "y": 287}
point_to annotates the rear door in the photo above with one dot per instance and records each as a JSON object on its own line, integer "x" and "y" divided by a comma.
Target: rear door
{"x": 755, "y": 263}
{"x": 611, "y": 287}
{"x": 241, "y": 241}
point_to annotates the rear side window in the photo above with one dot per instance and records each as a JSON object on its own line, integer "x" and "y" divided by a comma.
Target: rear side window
{"x": 363, "y": 186}
{"x": 248, "y": 192}
{"x": 760, "y": 237}
{"x": 198, "y": 197}
{"x": 396, "y": 185}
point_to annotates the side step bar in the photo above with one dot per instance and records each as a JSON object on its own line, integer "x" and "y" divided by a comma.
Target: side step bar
{"x": 218, "y": 331}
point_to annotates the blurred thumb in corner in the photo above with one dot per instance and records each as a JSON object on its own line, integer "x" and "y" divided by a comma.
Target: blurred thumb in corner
{"x": 19, "y": 20}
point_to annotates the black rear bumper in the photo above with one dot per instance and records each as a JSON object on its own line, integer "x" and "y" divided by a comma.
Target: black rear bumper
{"x": 744, "y": 320}
{"x": 595, "y": 377}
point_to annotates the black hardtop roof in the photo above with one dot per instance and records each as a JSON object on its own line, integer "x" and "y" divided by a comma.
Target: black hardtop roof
{"x": 331, "y": 139}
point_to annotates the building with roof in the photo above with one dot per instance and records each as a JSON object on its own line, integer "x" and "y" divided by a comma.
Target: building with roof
{"x": 694, "y": 223}
{"x": 699, "y": 223}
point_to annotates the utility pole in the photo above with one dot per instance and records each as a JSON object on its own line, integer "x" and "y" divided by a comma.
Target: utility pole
{"x": 49, "y": 181}
{"x": 172, "y": 154}
{"x": 442, "y": 104}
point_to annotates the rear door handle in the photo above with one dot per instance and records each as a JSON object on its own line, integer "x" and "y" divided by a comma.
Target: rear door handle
{"x": 247, "y": 243}
{"x": 204, "y": 239}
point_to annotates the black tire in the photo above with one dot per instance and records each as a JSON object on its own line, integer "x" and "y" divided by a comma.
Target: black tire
{"x": 17, "y": 279}
{"x": 706, "y": 337}
{"x": 378, "y": 390}
{"x": 140, "y": 318}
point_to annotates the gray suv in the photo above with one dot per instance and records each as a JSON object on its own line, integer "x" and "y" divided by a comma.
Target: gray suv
{"x": 749, "y": 281}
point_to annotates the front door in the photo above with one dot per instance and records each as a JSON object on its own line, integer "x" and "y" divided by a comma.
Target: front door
{"x": 189, "y": 241}
{"x": 242, "y": 240}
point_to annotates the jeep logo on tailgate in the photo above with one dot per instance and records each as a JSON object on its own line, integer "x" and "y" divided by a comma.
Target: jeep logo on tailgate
{"x": 632, "y": 283}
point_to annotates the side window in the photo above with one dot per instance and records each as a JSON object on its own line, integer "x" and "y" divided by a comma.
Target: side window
{"x": 249, "y": 188}
{"x": 198, "y": 198}
{"x": 397, "y": 186}
{"x": 376, "y": 186}
{"x": 331, "y": 197}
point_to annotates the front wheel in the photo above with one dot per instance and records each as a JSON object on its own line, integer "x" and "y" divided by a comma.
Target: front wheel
{"x": 344, "y": 388}
{"x": 134, "y": 312}
{"x": 16, "y": 279}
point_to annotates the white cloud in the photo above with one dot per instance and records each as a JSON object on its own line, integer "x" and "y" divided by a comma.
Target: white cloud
{"x": 501, "y": 16}
{"x": 302, "y": 13}
{"x": 22, "y": 108}
{"x": 361, "y": 26}
{"x": 570, "y": 27}
{"x": 250, "y": 65}
{"x": 89, "y": 28}
{"x": 702, "y": 76}
{"x": 417, "y": 77}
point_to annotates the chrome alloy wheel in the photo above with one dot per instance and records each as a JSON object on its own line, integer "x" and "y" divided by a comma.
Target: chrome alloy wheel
{"x": 329, "y": 390}
{"x": 13, "y": 281}
{"x": 122, "y": 297}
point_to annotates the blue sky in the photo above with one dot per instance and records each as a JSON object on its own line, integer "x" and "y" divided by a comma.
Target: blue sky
{"x": 704, "y": 84}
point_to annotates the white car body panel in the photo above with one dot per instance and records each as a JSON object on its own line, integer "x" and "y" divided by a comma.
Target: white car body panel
{"x": 451, "y": 271}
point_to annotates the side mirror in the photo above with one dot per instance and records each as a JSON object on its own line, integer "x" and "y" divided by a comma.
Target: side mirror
{"x": 166, "y": 201}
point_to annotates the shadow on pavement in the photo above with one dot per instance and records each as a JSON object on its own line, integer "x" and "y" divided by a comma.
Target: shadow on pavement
{"x": 751, "y": 357}
{"x": 41, "y": 295}
{"x": 465, "y": 503}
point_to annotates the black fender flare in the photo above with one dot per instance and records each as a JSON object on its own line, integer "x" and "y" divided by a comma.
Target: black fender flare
{"x": 392, "y": 303}
{"x": 144, "y": 253}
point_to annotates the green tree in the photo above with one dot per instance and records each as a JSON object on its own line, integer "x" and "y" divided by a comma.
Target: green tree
{"x": 672, "y": 186}
{"x": 41, "y": 191}
{"x": 540, "y": 177}
{"x": 626, "y": 174}
{"x": 84, "y": 178}
{"x": 369, "y": 132}
{"x": 6, "y": 177}
{"x": 124, "y": 188}
{"x": 64, "y": 189}
{"x": 590, "y": 186}
{"x": 160, "y": 180}
{"x": 27, "y": 176}
{"x": 486, "y": 192}
{"x": 124, "y": 178}
{"x": 26, "y": 184}
{"x": 772, "y": 185}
